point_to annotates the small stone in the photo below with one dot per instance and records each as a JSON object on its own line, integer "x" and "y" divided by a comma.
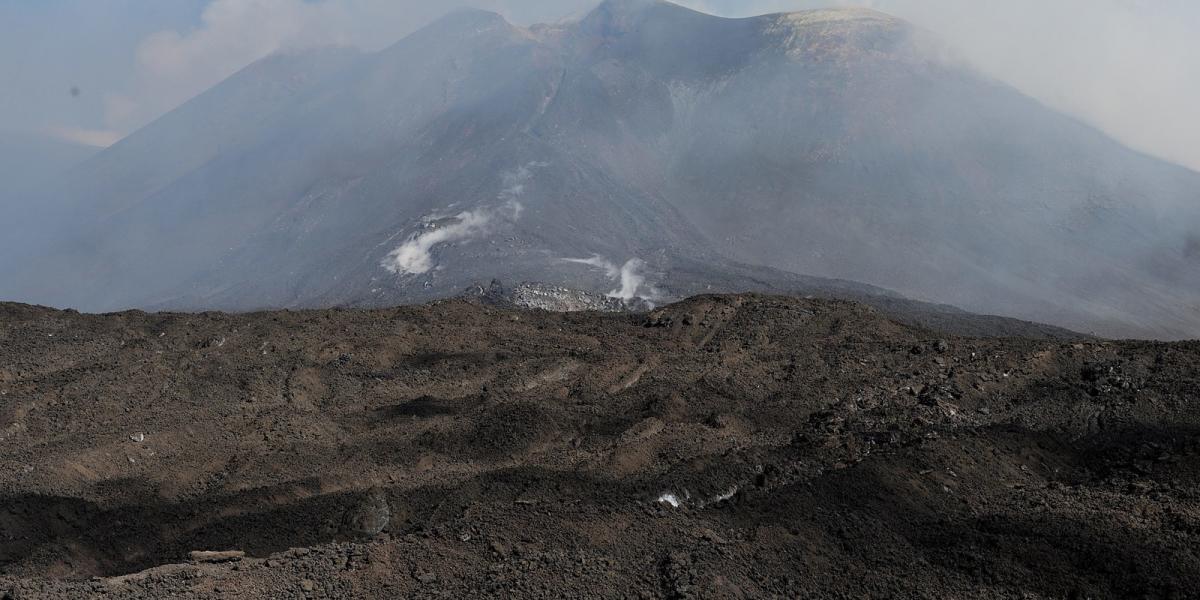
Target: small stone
{"x": 370, "y": 515}
{"x": 427, "y": 578}
{"x": 308, "y": 585}
{"x": 138, "y": 437}
{"x": 711, "y": 536}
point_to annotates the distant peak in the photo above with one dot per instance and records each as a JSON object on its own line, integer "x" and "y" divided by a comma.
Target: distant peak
{"x": 629, "y": 5}
{"x": 836, "y": 15}
{"x": 622, "y": 16}
{"x": 841, "y": 33}
{"x": 617, "y": 10}
{"x": 458, "y": 25}
{"x": 469, "y": 17}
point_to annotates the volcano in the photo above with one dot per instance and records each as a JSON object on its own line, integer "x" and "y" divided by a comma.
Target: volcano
{"x": 644, "y": 151}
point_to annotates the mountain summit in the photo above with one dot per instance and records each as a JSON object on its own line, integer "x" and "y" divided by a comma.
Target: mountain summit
{"x": 646, "y": 150}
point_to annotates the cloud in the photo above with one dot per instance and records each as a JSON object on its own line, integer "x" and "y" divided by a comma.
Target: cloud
{"x": 173, "y": 66}
{"x": 630, "y": 275}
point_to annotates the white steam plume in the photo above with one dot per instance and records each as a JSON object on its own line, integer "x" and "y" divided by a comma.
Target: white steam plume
{"x": 600, "y": 263}
{"x": 631, "y": 279}
{"x": 630, "y": 275}
{"x": 415, "y": 255}
{"x": 515, "y": 180}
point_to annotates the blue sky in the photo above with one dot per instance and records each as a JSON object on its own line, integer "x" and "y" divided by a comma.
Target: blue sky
{"x": 1130, "y": 67}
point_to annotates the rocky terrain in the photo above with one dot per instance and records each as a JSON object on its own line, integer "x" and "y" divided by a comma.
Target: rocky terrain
{"x": 948, "y": 319}
{"x": 532, "y": 295}
{"x": 720, "y": 447}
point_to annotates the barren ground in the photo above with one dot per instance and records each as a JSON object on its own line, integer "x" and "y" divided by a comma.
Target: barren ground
{"x": 814, "y": 448}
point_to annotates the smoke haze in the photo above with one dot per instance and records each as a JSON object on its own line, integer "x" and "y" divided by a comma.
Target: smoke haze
{"x": 1131, "y": 68}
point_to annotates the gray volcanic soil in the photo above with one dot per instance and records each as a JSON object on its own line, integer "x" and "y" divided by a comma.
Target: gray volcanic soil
{"x": 815, "y": 448}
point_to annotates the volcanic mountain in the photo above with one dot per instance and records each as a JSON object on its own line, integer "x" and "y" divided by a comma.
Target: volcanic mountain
{"x": 645, "y": 150}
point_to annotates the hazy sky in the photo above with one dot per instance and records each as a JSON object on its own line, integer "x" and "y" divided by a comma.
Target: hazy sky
{"x": 94, "y": 70}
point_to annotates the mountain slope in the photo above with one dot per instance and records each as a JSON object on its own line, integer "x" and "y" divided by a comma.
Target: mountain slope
{"x": 612, "y": 154}
{"x": 839, "y": 143}
{"x": 28, "y": 162}
{"x": 28, "y": 159}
